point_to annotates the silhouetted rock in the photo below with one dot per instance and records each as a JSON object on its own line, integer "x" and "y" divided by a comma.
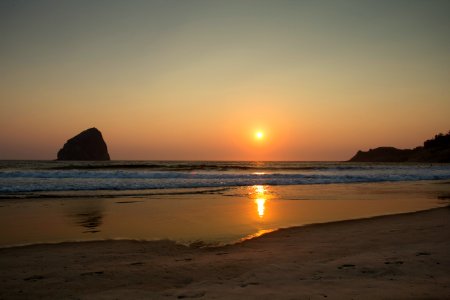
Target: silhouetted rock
{"x": 434, "y": 150}
{"x": 440, "y": 141}
{"x": 382, "y": 154}
{"x": 88, "y": 145}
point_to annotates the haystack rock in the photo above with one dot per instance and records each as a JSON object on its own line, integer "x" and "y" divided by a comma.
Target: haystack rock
{"x": 88, "y": 145}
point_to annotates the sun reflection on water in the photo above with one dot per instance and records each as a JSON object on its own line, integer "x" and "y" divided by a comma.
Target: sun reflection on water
{"x": 259, "y": 189}
{"x": 260, "y": 202}
{"x": 259, "y": 193}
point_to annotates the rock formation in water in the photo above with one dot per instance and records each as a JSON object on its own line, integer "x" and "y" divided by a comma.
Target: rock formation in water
{"x": 88, "y": 145}
{"x": 434, "y": 150}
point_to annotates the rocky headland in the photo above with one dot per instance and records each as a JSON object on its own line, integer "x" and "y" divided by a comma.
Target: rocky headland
{"x": 434, "y": 150}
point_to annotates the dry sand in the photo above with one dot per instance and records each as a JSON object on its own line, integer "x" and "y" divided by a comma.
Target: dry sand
{"x": 391, "y": 257}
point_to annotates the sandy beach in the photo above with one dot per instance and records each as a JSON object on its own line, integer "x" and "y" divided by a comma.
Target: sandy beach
{"x": 403, "y": 256}
{"x": 224, "y": 150}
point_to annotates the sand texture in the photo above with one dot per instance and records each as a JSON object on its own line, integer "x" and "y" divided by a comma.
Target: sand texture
{"x": 391, "y": 257}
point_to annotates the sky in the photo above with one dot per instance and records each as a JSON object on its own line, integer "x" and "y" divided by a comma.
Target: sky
{"x": 195, "y": 80}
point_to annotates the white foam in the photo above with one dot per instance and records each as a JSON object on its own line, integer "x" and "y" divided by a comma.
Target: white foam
{"x": 25, "y": 180}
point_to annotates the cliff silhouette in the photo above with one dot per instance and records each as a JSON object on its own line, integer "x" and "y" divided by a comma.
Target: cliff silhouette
{"x": 433, "y": 150}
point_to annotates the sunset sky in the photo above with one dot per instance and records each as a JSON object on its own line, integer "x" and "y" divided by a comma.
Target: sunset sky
{"x": 198, "y": 79}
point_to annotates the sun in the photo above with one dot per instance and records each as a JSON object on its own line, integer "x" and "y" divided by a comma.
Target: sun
{"x": 259, "y": 135}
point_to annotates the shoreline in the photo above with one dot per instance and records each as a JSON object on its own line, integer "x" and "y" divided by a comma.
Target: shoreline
{"x": 392, "y": 256}
{"x": 202, "y": 244}
{"x": 232, "y": 214}
{"x": 69, "y": 194}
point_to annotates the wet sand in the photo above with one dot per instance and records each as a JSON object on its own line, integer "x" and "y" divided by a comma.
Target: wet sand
{"x": 405, "y": 256}
{"x": 181, "y": 215}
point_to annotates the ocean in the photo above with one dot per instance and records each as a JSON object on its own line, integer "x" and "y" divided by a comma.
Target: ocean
{"x": 202, "y": 202}
{"x": 51, "y": 176}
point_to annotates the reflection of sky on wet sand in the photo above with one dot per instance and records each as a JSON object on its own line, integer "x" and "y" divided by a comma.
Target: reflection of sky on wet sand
{"x": 86, "y": 214}
{"x": 222, "y": 216}
{"x": 259, "y": 233}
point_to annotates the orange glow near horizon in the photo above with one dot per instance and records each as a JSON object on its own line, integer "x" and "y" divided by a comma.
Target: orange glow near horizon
{"x": 201, "y": 81}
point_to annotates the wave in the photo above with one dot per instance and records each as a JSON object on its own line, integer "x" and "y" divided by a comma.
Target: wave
{"x": 13, "y": 181}
{"x": 275, "y": 166}
{"x": 197, "y": 167}
{"x": 267, "y": 166}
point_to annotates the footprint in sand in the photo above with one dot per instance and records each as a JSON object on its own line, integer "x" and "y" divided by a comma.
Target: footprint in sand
{"x": 422, "y": 253}
{"x": 34, "y": 278}
{"x": 248, "y": 283}
{"x": 184, "y": 259}
{"x": 92, "y": 273}
{"x": 346, "y": 266}
{"x": 191, "y": 295}
{"x": 397, "y": 262}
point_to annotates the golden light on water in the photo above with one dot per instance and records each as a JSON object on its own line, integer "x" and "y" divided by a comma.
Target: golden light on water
{"x": 260, "y": 202}
{"x": 259, "y": 173}
{"x": 259, "y": 233}
{"x": 260, "y": 199}
{"x": 259, "y": 189}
